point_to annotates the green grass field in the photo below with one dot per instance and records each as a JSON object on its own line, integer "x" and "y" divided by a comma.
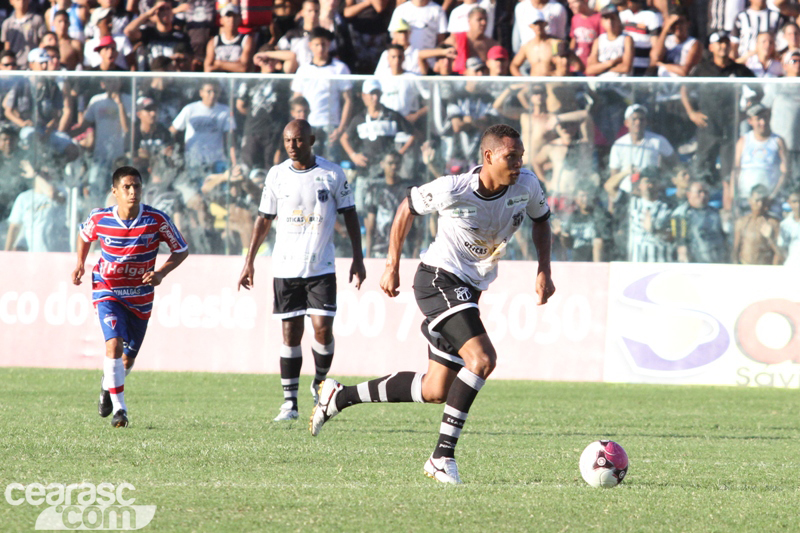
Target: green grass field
{"x": 202, "y": 448}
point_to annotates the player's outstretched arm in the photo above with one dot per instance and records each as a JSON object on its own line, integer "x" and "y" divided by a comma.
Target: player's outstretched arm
{"x": 390, "y": 280}
{"x": 357, "y": 269}
{"x": 154, "y": 277}
{"x": 83, "y": 252}
{"x": 541, "y": 240}
{"x": 260, "y": 231}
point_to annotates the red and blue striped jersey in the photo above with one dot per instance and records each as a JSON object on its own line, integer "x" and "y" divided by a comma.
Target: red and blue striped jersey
{"x": 128, "y": 250}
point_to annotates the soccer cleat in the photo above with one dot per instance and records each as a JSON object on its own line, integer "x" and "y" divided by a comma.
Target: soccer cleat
{"x": 104, "y": 406}
{"x": 326, "y": 406}
{"x": 443, "y": 469}
{"x": 120, "y": 419}
{"x": 288, "y": 412}
{"x": 315, "y": 393}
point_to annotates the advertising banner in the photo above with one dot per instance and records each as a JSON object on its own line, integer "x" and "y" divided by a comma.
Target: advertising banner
{"x": 200, "y": 321}
{"x": 703, "y": 324}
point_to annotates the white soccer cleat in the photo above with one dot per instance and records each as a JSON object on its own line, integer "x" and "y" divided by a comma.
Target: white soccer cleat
{"x": 326, "y": 406}
{"x": 315, "y": 393}
{"x": 288, "y": 412}
{"x": 443, "y": 469}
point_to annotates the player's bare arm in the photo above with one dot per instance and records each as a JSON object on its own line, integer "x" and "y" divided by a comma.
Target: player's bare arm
{"x": 260, "y": 231}
{"x": 541, "y": 240}
{"x": 357, "y": 269}
{"x": 390, "y": 280}
{"x": 83, "y": 253}
{"x": 155, "y": 277}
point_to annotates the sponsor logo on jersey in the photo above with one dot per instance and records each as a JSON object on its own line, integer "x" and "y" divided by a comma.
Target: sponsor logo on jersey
{"x": 88, "y": 228}
{"x": 128, "y": 292}
{"x": 111, "y": 321}
{"x": 114, "y": 270}
{"x": 516, "y": 220}
{"x": 169, "y": 235}
{"x": 298, "y": 218}
{"x": 463, "y": 212}
{"x": 516, "y": 200}
{"x": 463, "y": 294}
{"x": 322, "y": 195}
{"x": 478, "y": 248}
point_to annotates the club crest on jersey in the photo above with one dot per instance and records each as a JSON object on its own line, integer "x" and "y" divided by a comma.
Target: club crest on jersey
{"x": 516, "y": 220}
{"x": 111, "y": 321}
{"x": 322, "y": 195}
{"x": 463, "y": 294}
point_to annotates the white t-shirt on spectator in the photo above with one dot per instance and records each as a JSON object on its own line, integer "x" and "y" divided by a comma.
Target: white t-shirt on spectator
{"x": 109, "y": 139}
{"x": 789, "y": 240}
{"x": 410, "y": 63}
{"x": 401, "y": 93}
{"x": 774, "y": 69}
{"x": 323, "y": 94}
{"x": 426, "y": 22}
{"x": 205, "y": 128}
{"x": 92, "y": 58}
{"x": 647, "y": 153}
{"x": 459, "y": 17}
{"x": 554, "y": 13}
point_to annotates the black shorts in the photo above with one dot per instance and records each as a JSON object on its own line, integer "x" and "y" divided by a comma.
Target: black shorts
{"x": 304, "y": 296}
{"x": 451, "y": 313}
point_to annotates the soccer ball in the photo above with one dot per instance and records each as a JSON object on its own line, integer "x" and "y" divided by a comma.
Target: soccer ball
{"x": 604, "y": 464}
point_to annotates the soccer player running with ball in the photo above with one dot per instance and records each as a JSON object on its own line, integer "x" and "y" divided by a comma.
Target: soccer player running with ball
{"x": 478, "y": 211}
{"x": 304, "y": 194}
{"x": 124, "y": 279}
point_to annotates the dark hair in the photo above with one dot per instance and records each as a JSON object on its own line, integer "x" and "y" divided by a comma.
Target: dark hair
{"x": 8, "y": 53}
{"x": 320, "y": 33}
{"x": 122, "y": 172}
{"x": 55, "y": 50}
{"x": 759, "y": 189}
{"x": 160, "y": 64}
{"x": 182, "y": 48}
{"x": 397, "y": 47}
{"x": 60, "y": 13}
{"x": 495, "y": 133}
{"x": 298, "y": 100}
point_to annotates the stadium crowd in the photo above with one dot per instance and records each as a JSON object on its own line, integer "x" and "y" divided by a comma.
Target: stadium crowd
{"x": 686, "y": 170}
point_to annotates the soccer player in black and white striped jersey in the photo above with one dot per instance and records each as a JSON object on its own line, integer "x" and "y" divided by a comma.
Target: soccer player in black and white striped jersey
{"x": 479, "y": 211}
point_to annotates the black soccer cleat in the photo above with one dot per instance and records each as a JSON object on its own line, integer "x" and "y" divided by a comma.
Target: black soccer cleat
{"x": 120, "y": 419}
{"x": 104, "y": 406}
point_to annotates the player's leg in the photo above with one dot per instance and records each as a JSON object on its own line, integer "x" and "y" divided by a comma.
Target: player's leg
{"x": 113, "y": 322}
{"x": 291, "y": 364}
{"x": 290, "y": 306}
{"x": 321, "y": 305}
{"x": 464, "y": 331}
{"x": 322, "y": 346}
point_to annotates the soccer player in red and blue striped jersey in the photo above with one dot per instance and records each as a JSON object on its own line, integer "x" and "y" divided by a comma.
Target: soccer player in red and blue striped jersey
{"x": 124, "y": 278}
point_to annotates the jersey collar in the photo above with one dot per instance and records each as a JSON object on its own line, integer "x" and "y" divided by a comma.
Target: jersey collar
{"x": 475, "y": 184}
{"x": 115, "y": 211}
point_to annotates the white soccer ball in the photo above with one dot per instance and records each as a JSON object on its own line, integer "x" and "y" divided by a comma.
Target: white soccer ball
{"x": 604, "y": 463}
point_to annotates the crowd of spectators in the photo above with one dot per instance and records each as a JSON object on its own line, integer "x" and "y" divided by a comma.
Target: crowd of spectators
{"x": 672, "y": 170}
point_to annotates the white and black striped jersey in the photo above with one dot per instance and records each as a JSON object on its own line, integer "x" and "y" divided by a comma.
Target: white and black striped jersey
{"x": 304, "y": 204}
{"x": 642, "y": 26}
{"x": 749, "y": 23}
{"x": 473, "y": 230}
